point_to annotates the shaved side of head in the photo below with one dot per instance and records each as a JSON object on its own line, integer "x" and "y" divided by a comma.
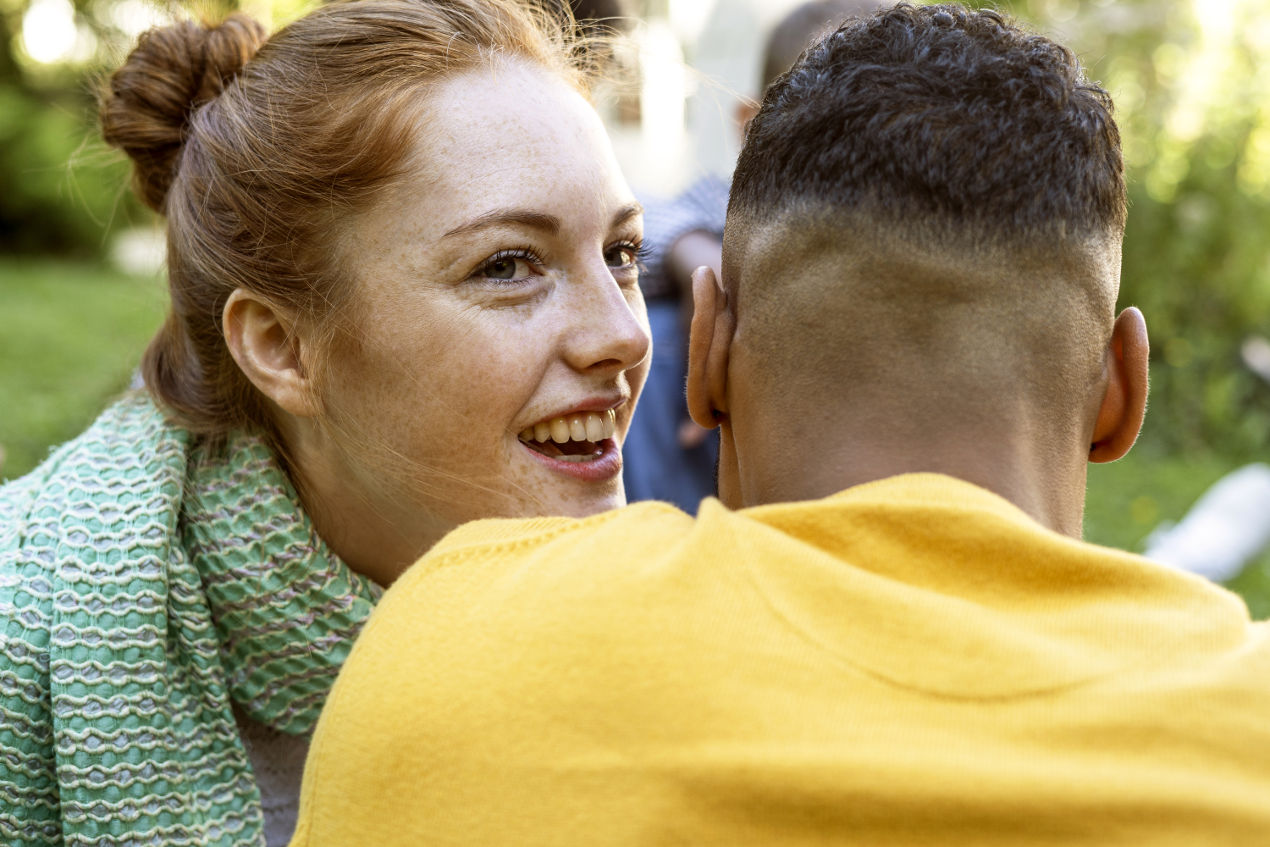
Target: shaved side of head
{"x": 826, "y": 297}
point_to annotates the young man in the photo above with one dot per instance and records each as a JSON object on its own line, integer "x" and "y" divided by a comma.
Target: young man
{"x": 887, "y": 632}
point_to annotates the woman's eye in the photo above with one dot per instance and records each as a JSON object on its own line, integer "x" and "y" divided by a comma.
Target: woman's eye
{"x": 507, "y": 267}
{"x": 621, "y": 255}
{"x": 501, "y": 269}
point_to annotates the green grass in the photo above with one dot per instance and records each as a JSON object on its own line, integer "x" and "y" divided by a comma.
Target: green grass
{"x": 71, "y": 336}
{"x": 1127, "y": 499}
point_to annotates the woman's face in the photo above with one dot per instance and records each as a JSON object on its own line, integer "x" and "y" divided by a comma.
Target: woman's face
{"x": 501, "y": 336}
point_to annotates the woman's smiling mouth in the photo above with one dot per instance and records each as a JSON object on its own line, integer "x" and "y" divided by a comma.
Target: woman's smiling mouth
{"x": 577, "y": 437}
{"x": 580, "y": 444}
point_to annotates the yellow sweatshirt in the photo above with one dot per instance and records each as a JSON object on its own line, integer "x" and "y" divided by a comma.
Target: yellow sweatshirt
{"x": 909, "y": 662}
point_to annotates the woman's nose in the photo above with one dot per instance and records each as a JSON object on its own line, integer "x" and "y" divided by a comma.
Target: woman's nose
{"x": 609, "y": 327}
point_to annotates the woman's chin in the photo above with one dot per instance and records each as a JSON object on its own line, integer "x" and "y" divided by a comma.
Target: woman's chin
{"x": 575, "y": 490}
{"x": 581, "y": 504}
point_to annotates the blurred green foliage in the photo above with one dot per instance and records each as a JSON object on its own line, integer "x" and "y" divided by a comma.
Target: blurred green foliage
{"x": 64, "y": 191}
{"x": 62, "y": 194}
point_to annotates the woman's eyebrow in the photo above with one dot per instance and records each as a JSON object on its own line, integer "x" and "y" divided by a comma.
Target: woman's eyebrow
{"x": 534, "y": 220}
{"x": 626, "y": 213}
{"x": 501, "y": 217}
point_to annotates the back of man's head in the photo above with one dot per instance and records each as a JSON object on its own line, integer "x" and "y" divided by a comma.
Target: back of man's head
{"x": 928, "y": 208}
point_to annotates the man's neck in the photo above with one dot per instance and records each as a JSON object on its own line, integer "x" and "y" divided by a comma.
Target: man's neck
{"x": 798, "y": 457}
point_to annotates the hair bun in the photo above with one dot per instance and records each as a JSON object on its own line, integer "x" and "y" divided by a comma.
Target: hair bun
{"x": 172, "y": 71}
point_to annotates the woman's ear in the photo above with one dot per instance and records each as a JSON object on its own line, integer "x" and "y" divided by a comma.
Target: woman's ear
{"x": 709, "y": 343}
{"x": 269, "y": 352}
{"x": 1124, "y": 401}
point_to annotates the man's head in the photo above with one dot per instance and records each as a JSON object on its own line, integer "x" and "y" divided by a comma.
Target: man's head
{"x": 927, "y": 214}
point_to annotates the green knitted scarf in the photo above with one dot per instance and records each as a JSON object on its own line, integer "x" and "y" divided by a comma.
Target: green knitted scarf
{"x": 147, "y": 586}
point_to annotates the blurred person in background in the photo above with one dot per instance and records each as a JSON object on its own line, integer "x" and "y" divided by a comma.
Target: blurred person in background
{"x": 669, "y": 457}
{"x": 385, "y": 320}
{"x": 598, "y": 16}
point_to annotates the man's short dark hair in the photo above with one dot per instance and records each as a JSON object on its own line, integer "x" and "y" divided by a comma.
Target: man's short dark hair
{"x": 937, "y": 121}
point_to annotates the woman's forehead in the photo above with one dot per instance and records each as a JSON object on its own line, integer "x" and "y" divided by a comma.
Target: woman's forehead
{"x": 511, "y": 114}
{"x": 511, "y": 136}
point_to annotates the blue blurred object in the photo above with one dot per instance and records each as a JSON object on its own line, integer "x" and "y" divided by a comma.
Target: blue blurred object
{"x": 656, "y": 466}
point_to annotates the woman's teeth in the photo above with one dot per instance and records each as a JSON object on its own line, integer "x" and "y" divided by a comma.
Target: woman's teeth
{"x": 596, "y": 428}
{"x": 559, "y": 431}
{"x": 587, "y": 426}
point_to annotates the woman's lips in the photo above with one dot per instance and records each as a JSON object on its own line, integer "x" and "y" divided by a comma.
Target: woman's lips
{"x": 579, "y": 445}
{"x": 602, "y": 462}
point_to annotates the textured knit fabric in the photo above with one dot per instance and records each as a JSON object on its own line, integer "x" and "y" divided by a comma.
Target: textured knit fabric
{"x": 909, "y": 662}
{"x": 147, "y": 587}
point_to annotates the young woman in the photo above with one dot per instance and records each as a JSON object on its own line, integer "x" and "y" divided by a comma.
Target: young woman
{"x": 402, "y": 263}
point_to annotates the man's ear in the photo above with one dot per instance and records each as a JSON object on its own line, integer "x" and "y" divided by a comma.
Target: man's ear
{"x": 263, "y": 342}
{"x": 709, "y": 343}
{"x": 1124, "y": 402}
